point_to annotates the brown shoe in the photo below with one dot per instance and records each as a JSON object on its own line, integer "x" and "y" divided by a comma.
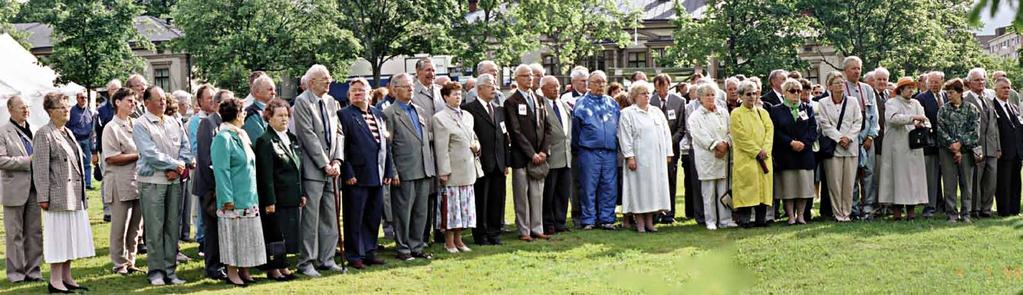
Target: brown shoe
{"x": 541, "y": 236}
{"x": 525, "y": 238}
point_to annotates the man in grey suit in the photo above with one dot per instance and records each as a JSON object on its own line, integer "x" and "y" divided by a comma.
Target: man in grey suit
{"x": 985, "y": 172}
{"x": 23, "y": 230}
{"x": 557, "y": 189}
{"x": 426, "y": 96}
{"x": 319, "y": 135}
{"x": 674, "y": 108}
{"x": 483, "y": 68}
{"x": 414, "y": 167}
{"x": 204, "y": 186}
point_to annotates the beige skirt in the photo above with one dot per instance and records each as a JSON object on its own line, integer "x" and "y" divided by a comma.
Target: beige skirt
{"x": 796, "y": 184}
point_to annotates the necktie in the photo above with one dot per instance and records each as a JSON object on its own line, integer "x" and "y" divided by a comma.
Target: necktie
{"x": 326, "y": 123}
{"x": 26, "y": 142}
{"x": 490, "y": 111}
{"x": 557, "y": 111}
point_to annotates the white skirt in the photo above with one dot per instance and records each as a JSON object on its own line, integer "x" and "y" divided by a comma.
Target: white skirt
{"x": 66, "y": 236}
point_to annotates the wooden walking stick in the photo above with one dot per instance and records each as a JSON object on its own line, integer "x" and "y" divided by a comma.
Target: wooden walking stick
{"x": 337, "y": 207}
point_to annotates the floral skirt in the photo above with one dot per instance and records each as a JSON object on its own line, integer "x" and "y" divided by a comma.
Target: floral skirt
{"x": 456, "y": 207}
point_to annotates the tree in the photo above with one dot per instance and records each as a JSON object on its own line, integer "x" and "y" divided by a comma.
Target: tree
{"x": 229, "y": 39}
{"x": 157, "y": 8}
{"x": 36, "y": 11}
{"x": 8, "y": 10}
{"x": 92, "y": 41}
{"x": 386, "y": 29}
{"x": 570, "y": 30}
{"x": 483, "y": 35}
{"x": 749, "y": 37}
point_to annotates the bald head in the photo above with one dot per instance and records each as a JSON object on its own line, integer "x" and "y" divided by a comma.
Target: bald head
{"x": 550, "y": 87}
{"x": 18, "y": 109}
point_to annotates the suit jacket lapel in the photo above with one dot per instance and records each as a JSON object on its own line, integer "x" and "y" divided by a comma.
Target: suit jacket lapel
{"x": 15, "y": 139}
{"x": 405, "y": 121}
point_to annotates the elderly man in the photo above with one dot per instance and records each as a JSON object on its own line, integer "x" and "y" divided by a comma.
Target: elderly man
{"x": 530, "y": 141}
{"x": 594, "y": 140}
{"x": 490, "y": 128}
{"x": 321, "y": 140}
{"x": 1007, "y": 191}
{"x": 865, "y": 189}
{"x": 204, "y": 184}
{"x": 164, "y": 154}
{"x": 932, "y": 100}
{"x": 369, "y": 169}
{"x": 23, "y": 225}
{"x": 1013, "y": 94}
{"x": 138, "y": 83}
{"x": 985, "y": 179}
{"x": 579, "y": 77}
{"x": 774, "y": 96}
{"x": 262, "y": 90}
{"x": 558, "y": 186}
{"x": 538, "y": 72}
{"x": 250, "y": 99}
{"x": 414, "y": 170}
{"x": 490, "y": 68}
{"x": 674, "y": 108}
{"x": 427, "y": 97}
{"x": 204, "y": 108}
{"x": 83, "y": 125}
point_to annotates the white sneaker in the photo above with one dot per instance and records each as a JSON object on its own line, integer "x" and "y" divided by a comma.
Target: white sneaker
{"x": 174, "y": 280}
{"x": 182, "y": 258}
{"x": 711, "y": 226}
{"x": 157, "y": 279}
{"x": 729, "y": 225}
{"x": 464, "y": 249}
{"x": 309, "y": 270}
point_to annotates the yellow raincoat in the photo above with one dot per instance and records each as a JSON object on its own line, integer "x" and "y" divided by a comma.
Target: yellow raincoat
{"x": 752, "y": 131}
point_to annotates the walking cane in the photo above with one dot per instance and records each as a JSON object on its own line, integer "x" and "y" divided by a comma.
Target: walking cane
{"x": 337, "y": 206}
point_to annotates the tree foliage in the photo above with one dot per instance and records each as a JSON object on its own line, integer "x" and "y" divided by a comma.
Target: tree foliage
{"x": 386, "y": 29}
{"x": 484, "y": 35}
{"x": 228, "y": 39}
{"x": 157, "y": 8}
{"x": 570, "y": 30}
{"x": 8, "y": 11}
{"x": 750, "y": 37}
{"x": 92, "y": 41}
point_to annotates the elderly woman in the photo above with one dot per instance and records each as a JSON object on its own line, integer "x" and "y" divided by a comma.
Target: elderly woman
{"x": 840, "y": 121}
{"x": 959, "y": 142}
{"x": 901, "y": 183}
{"x": 120, "y": 189}
{"x": 280, "y": 193}
{"x": 458, "y": 166}
{"x": 645, "y": 141}
{"x": 241, "y": 234}
{"x": 711, "y": 146}
{"x": 795, "y": 131}
{"x": 57, "y": 174}
{"x": 752, "y": 136}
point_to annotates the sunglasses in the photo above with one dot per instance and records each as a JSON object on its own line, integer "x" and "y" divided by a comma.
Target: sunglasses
{"x": 795, "y": 91}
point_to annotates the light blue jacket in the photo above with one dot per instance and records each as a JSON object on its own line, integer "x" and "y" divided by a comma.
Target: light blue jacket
{"x": 162, "y": 145}
{"x": 234, "y": 168}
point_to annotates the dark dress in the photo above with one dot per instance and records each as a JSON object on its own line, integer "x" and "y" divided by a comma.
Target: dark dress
{"x": 278, "y": 181}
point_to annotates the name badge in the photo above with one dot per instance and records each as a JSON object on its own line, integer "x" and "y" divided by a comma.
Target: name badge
{"x": 671, "y": 115}
{"x": 522, "y": 110}
{"x": 503, "y": 129}
{"x": 803, "y": 115}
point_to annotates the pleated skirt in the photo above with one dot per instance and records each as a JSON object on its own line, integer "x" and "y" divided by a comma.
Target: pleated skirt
{"x": 66, "y": 236}
{"x": 241, "y": 241}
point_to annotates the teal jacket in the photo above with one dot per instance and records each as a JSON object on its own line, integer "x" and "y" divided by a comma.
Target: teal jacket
{"x": 234, "y": 168}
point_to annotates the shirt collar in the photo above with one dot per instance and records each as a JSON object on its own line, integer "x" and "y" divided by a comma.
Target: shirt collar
{"x": 153, "y": 118}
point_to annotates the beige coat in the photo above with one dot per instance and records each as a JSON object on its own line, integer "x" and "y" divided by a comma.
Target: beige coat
{"x": 15, "y": 167}
{"x": 453, "y": 139}
{"x": 57, "y": 169}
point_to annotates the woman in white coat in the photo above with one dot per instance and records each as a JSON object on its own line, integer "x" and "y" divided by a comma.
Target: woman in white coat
{"x": 708, "y": 125}
{"x": 901, "y": 183}
{"x": 645, "y": 142}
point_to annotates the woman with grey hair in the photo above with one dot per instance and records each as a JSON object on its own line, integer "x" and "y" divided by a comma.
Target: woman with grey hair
{"x": 645, "y": 140}
{"x": 795, "y": 131}
{"x": 712, "y": 146}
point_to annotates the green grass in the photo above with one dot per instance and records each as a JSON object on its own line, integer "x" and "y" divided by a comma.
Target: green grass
{"x": 919, "y": 257}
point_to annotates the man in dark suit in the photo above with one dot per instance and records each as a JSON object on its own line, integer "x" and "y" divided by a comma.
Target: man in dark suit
{"x": 1007, "y": 189}
{"x": 932, "y": 100}
{"x": 489, "y": 125}
{"x": 674, "y": 108}
{"x": 557, "y": 187}
{"x": 366, "y": 169}
{"x": 204, "y": 186}
{"x": 529, "y": 132}
{"x": 772, "y": 97}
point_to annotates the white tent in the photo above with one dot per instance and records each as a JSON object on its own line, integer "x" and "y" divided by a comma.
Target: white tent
{"x": 22, "y": 75}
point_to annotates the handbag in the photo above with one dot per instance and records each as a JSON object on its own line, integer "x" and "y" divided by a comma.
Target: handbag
{"x": 922, "y": 137}
{"x": 827, "y": 145}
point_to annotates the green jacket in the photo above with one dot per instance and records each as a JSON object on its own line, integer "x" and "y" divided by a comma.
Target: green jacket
{"x": 234, "y": 168}
{"x": 278, "y": 174}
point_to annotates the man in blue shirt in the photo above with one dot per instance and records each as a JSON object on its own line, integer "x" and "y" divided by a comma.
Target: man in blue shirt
{"x": 594, "y": 140}
{"x": 82, "y": 126}
{"x": 262, "y": 91}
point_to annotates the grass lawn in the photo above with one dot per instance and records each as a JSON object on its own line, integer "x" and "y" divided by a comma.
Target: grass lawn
{"x": 918, "y": 257}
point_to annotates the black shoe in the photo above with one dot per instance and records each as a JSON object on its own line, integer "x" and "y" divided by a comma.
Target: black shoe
{"x": 482, "y": 242}
{"x": 33, "y": 280}
{"x": 143, "y": 249}
{"x": 495, "y": 241}
{"x": 422, "y": 255}
{"x": 106, "y": 217}
{"x": 608, "y": 227}
{"x": 50, "y": 289}
{"x": 79, "y": 287}
{"x": 985, "y": 214}
{"x": 404, "y": 257}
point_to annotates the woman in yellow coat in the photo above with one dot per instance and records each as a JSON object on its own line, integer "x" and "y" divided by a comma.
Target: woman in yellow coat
{"x": 752, "y": 138}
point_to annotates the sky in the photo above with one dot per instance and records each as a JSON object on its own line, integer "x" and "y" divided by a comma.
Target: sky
{"x": 1003, "y": 17}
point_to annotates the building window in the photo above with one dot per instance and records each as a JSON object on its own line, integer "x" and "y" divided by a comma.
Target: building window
{"x": 161, "y": 77}
{"x": 548, "y": 65}
{"x": 637, "y": 59}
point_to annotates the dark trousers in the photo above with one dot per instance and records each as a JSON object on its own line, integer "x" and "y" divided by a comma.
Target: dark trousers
{"x": 431, "y": 219}
{"x": 211, "y": 244}
{"x": 746, "y": 214}
{"x": 490, "y": 197}
{"x": 672, "y": 187}
{"x": 557, "y": 190}
{"x": 694, "y": 197}
{"x": 362, "y": 208}
{"x": 1007, "y": 189}
{"x": 186, "y": 209}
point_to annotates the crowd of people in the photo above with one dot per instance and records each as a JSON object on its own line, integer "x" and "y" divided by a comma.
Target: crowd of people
{"x": 427, "y": 159}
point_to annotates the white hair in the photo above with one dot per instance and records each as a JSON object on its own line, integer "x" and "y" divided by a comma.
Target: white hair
{"x": 114, "y": 82}
{"x": 548, "y": 79}
{"x": 939, "y": 74}
{"x": 361, "y": 80}
{"x": 181, "y": 95}
{"x": 881, "y": 72}
{"x": 705, "y": 88}
{"x": 578, "y": 73}
{"x": 976, "y": 73}
{"x": 484, "y": 79}
{"x": 637, "y": 86}
{"x": 599, "y": 73}
{"x": 732, "y": 80}
{"x": 870, "y": 75}
{"x": 317, "y": 68}
{"x": 261, "y": 80}
{"x": 775, "y": 74}
{"x": 522, "y": 67}
{"x": 538, "y": 68}
{"x": 136, "y": 78}
{"x": 747, "y": 86}
{"x": 402, "y": 76}
{"x": 482, "y": 64}
{"x": 850, "y": 59}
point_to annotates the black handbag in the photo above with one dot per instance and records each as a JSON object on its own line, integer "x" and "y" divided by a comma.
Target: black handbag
{"x": 922, "y": 137}
{"x": 827, "y": 145}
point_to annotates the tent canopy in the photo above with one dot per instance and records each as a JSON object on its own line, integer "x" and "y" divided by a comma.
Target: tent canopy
{"x": 22, "y": 75}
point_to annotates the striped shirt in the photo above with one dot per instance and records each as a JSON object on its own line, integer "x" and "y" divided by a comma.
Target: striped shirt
{"x": 371, "y": 122}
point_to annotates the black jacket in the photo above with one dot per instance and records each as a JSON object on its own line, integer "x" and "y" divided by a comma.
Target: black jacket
{"x": 493, "y": 139}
